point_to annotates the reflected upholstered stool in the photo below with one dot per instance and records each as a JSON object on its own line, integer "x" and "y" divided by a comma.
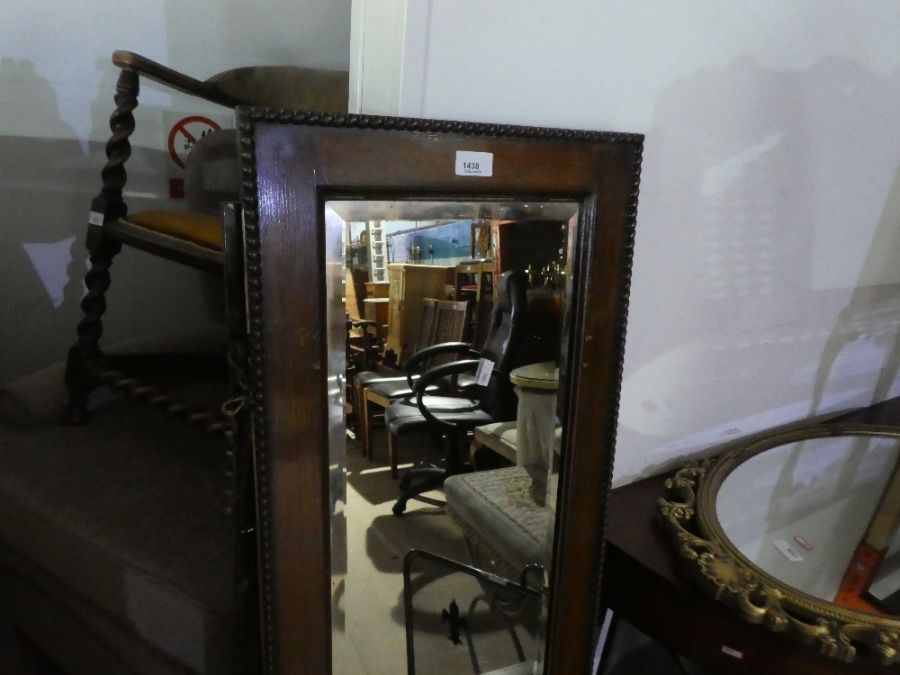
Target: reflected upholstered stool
{"x": 503, "y": 517}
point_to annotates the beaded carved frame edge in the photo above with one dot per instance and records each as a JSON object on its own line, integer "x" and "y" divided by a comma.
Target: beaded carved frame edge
{"x": 247, "y": 117}
{"x": 715, "y": 563}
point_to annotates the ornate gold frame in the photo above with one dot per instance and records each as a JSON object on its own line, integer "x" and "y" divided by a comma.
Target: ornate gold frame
{"x": 689, "y": 508}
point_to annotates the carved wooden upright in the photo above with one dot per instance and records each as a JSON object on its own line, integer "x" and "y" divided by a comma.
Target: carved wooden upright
{"x": 83, "y": 366}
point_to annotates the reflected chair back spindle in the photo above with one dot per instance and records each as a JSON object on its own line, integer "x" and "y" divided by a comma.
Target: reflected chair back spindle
{"x": 443, "y": 321}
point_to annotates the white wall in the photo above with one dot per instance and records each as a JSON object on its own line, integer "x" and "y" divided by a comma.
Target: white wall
{"x": 376, "y": 53}
{"x": 766, "y": 273}
{"x": 56, "y": 88}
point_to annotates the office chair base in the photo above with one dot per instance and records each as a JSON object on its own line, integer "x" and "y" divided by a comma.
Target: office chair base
{"x": 428, "y": 479}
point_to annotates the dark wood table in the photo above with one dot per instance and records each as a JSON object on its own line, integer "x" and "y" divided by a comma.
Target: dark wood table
{"x": 646, "y": 584}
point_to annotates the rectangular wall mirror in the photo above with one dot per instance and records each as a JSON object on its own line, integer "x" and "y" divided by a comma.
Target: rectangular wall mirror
{"x": 437, "y": 323}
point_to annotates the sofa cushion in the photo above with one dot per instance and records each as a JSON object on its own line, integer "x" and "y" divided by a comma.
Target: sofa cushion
{"x": 127, "y": 511}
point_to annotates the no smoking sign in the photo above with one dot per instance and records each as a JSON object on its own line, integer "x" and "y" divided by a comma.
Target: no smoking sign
{"x": 185, "y": 133}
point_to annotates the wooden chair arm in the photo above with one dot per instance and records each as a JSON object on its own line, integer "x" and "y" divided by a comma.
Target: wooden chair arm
{"x": 172, "y": 78}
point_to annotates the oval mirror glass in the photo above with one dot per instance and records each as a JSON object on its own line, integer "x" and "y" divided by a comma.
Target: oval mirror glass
{"x": 797, "y": 532}
{"x": 821, "y": 516}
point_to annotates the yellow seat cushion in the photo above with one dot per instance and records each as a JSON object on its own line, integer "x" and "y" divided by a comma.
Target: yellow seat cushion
{"x": 199, "y": 228}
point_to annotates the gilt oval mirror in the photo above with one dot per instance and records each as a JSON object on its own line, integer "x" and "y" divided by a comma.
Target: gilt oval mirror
{"x": 436, "y": 315}
{"x": 798, "y": 531}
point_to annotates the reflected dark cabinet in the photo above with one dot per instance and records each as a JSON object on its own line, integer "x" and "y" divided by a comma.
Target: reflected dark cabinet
{"x": 527, "y": 244}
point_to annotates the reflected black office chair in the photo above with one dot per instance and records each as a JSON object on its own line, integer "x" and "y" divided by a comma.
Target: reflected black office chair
{"x": 441, "y": 333}
{"x": 453, "y": 417}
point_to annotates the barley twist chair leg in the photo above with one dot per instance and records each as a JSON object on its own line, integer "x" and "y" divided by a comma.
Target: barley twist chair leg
{"x": 84, "y": 358}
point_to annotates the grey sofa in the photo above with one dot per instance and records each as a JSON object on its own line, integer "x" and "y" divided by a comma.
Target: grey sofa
{"x": 116, "y": 553}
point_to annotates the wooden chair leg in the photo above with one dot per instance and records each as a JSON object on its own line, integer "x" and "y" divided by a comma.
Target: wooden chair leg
{"x": 392, "y": 453}
{"x": 84, "y": 357}
{"x": 357, "y": 408}
{"x": 365, "y": 432}
{"x": 473, "y": 448}
{"x": 373, "y": 399}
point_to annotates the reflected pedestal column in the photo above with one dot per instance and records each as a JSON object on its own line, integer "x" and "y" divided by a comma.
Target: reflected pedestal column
{"x": 535, "y": 385}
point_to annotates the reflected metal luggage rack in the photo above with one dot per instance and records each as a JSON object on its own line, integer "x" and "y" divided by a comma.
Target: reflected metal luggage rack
{"x": 456, "y": 624}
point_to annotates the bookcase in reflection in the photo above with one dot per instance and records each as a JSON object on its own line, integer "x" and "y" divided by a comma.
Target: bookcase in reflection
{"x": 409, "y": 284}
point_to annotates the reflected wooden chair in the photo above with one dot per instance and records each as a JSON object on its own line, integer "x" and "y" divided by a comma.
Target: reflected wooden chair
{"x": 443, "y": 324}
{"x": 363, "y": 378}
{"x": 474, "y": 282}
{"x": 193, "y": 235}
{"x": 363, "y": 343}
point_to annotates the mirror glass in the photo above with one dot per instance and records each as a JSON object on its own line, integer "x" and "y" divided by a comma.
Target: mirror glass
{"x": 404, "y": 276}
{"x": 821, "y": 516}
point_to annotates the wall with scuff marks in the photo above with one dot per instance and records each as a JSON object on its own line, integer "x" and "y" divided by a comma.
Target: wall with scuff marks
{"x": 56, "y": 89}
{"x": 766, "y": 283}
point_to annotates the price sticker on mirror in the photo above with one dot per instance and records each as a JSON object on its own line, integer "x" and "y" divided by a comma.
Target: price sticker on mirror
{"x": 787, "y": 550}
{"x": 474, "y": 163}
{"x": 483, "y": 374}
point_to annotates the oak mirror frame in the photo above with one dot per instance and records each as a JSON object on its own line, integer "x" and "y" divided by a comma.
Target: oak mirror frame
{"x": 292, "y": 164}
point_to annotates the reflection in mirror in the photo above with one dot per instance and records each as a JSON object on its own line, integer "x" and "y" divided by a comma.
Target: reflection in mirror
{"x": 446, "y": 323}
{"x": 820, "y": 515}
{"x": 797, "y": 531}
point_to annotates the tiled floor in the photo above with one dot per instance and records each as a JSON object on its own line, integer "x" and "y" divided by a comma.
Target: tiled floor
{"x": 368, "y": 589}
{"x": 370, "y": 600}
